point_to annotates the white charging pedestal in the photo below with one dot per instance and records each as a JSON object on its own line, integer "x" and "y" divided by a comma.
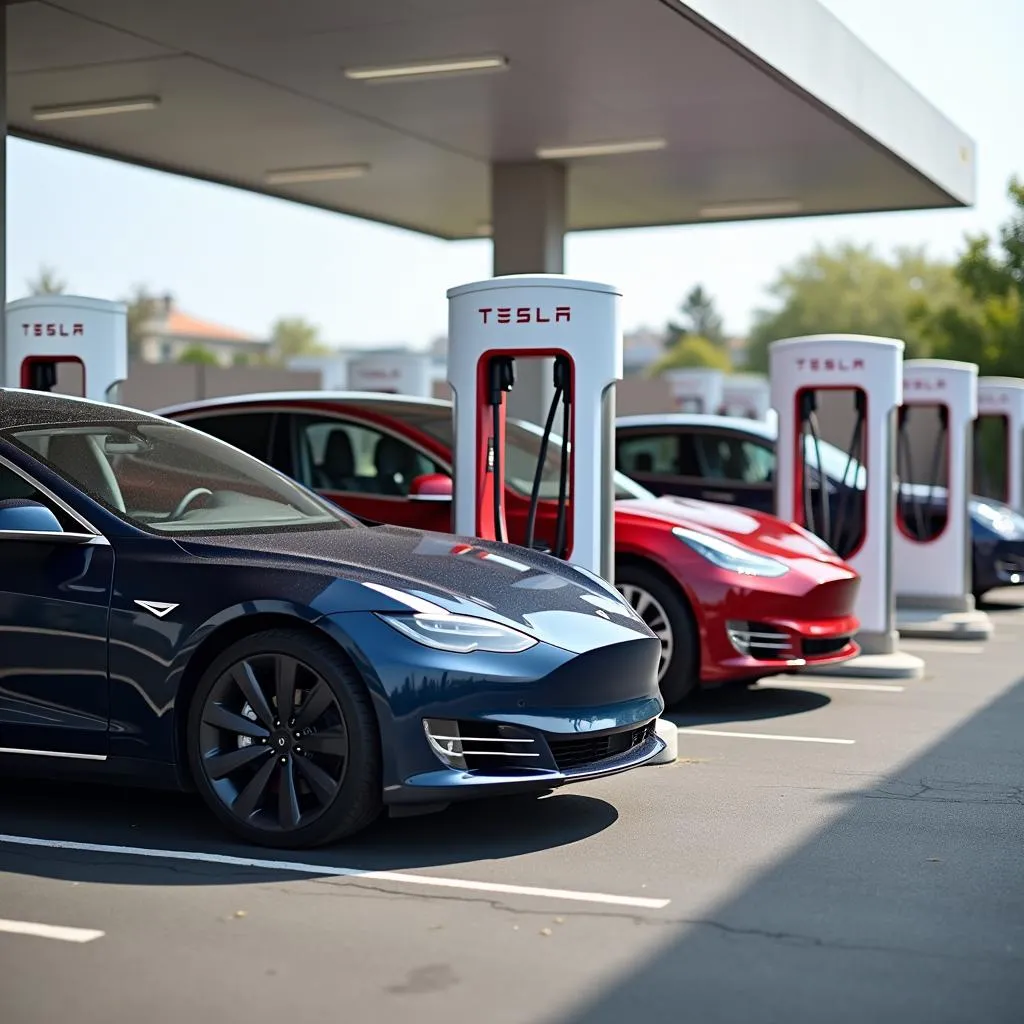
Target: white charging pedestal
{"x": 804, "y": 367}
{"x": 1003, "y": 397}
{"x": 396, "y": 373}
{"x": 697, "y": 390}
{"x": 333, "y": 369}
{"x": 933, "y": 573}
{"x": 541, "y": 316}
{"x": 746, "y": 394}
{"x": 67, "y": 344}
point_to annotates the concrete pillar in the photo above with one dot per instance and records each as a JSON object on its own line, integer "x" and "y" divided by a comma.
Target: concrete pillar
{"x": 528, "y": 203}
{"x": 3, "y": 191}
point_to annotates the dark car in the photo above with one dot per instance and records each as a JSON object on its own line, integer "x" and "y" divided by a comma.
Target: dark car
{"x": 176, "y": 612}
{"x": 732, "y": 460}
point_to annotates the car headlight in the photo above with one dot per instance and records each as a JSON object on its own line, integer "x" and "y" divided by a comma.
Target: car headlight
{"x": 1001, "y": 520}
{"x": 460, "y": 634}
{"x": 730, "y": 556}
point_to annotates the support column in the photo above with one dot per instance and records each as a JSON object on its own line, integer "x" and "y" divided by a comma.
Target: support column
{"x": 3, "y": 193}
{"x": 528, "y": 203}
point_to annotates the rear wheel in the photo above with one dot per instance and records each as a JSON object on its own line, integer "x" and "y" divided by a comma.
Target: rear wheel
{"x": 283, "y": 742}
{"x": 667, "y": 612}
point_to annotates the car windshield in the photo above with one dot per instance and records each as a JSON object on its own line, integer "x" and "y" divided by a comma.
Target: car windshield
{"x": 522, "y": 448}
{"x": 171, "y": 479}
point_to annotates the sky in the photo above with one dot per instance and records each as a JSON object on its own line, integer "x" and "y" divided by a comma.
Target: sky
{"x": 244, "y": 260}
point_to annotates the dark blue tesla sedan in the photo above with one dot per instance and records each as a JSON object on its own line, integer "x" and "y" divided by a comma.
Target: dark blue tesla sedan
{"x": 175, "y": 612}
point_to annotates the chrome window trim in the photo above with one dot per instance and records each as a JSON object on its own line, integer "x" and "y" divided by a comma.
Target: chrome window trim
{"x": 47, "y": 493}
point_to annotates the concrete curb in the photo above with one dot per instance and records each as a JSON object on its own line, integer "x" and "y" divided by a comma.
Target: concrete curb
{"x": 670, "y": 734}
{"x": 897, "y": 665}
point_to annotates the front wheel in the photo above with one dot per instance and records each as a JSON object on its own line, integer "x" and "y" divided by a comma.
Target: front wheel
{"x": 667, "y": 612}
{"x": 283, "y": 742}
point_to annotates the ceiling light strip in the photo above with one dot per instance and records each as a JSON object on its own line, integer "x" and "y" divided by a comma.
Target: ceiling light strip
{"x": 305, "y": 175}
{"x": 95, "y": 108}
{"x": 600, "y": 149}
{"x": 418, "y": 69}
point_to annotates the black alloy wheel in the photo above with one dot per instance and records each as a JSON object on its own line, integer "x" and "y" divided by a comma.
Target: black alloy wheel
{"x": 283, "y": 741}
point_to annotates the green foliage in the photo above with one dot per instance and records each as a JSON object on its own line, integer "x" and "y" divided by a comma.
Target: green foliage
{"x": 47, "y": 283}
{"x": 198, "y": 355}
{"x": 700, "y": 318}
{"x": 690, "y": 352}
{"x": 849, "y": 289}
{"x": 294, "y": 336}
{"x": 143, "y": 306}
{"x": 987, "y": 325}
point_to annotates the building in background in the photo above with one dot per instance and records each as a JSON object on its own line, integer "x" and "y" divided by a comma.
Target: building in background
{"x": 172, "y": 334}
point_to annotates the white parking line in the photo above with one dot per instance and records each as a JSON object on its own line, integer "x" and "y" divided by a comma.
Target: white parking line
{"x": 323, "y": 869}
{"x": 50, "y": 931}
{"x": 942, "y": 646}
{"x": 812, "y": 684}
{"x": 763, "y": 736}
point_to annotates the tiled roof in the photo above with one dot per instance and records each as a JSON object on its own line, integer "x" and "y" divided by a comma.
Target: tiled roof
{"x": 182, "y": 325}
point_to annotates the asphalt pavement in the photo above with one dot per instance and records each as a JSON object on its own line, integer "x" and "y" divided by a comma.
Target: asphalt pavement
{"x": 824, "y": 850}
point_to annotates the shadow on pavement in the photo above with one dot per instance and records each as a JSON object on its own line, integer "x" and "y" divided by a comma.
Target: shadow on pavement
{"x": 484, "y": 830}
{"x": 739, "y": 704}
{"x": 908, "y": 908}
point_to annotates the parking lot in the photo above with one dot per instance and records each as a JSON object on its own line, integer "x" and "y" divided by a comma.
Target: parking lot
{"x": 831, "y": 849}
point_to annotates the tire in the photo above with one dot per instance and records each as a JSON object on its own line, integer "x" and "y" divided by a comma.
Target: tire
{"x": 668, "y": 613}
{"x": 319, "y": 781}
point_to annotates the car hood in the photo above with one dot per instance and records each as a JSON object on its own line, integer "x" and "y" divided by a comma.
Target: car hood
{"x": 766, "y": 534}
{"x": 394, "y": 569}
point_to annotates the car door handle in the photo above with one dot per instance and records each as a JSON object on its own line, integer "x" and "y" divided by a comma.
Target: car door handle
{"x": 719, "y": 496}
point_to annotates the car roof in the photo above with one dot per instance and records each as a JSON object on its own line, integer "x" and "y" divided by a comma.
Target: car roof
{"x": 699, "y": 419}
{"x": 20, "y": 407}
{"x": 381, "y": 398}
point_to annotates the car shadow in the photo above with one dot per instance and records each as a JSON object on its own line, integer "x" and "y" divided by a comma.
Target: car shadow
{"x": 110, "y": 816}
{"x": 1002, "y": 601}
{"x": 746, "y": 704}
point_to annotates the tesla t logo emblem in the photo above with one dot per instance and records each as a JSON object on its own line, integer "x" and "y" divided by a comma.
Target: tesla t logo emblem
{"x": 280, "y": 741}
{"x": 53, "y": 330}
{"x": 830, "y": 365}
{"x": 157, "y": 608}
{"x": 524, "y": 314}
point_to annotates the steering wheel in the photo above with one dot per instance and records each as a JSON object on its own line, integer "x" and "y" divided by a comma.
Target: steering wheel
{"x": 196, "y": 492}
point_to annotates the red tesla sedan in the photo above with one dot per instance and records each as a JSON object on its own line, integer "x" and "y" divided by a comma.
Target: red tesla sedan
{"x": 734, "y": 594}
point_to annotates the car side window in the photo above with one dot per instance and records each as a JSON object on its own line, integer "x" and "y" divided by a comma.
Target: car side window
{"x": 15, "y": 488}
{"x": 340, "y": 455}
{"x": 248, "y": 431}
{"x": 735, "y": 459}
{"x": 648, "y": 453}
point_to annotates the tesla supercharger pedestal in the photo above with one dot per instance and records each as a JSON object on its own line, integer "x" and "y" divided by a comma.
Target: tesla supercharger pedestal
{"x": 999, "y": 441}
{"x": 492, "y": 324}
{"x": 396, "y": 373}
{"x": 807, "y": 375}
{"x": 932, "y": 539}
{"x": 747, "y": 395}
{"x": 696, "y": 390}
{"x": 68, "y": 344}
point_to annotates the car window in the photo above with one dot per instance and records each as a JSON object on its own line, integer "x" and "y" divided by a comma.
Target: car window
{"x": 648, "y": 453}
{"x": 249, "y": 431}
{"x": 341, "y": 455}
{"x": 14, "y": 487}
{"x": 731, "y": 458}
{"x": 168, "y": 478}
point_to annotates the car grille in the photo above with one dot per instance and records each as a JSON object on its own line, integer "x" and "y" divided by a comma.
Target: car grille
{"x": 482, "y": 746}
{"x": 822, "y": 648}
{"x": 760, "y": 640}
{"x": 580, "y": 750}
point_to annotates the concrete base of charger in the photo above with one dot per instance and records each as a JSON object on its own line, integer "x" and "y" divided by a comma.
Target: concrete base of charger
{"x": 670, "y": 734}
{"x": 895, "y": 665}
{"x": 928, "y": 624}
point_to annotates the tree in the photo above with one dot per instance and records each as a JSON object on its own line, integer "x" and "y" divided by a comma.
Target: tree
{"x": 199, "y": 356}
{"x": 848, "y": 289}
{"x": 293, "y": 336}
{"x": 985, "y": 323}
{"x": 143, "y": 307}
{"x": 700, "y": 318}
{"x": 47, "y": 283}
{"x": 693, "y": 351}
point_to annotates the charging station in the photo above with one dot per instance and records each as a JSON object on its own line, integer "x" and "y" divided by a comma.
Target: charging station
{"x": 395, "y": 373}
{"x": 747, "y": 395}
{"x": 856, "y": 384}
{"x": 696, "y": 390}
{"x": 999, "y": 441}
{"x": 67, "y": 344}
{"x": 493, "y": 324}
{"x": 932, "y": 541}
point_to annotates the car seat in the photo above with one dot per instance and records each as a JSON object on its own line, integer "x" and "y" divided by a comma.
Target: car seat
{"x": 338, "y": 469}
{"x": 396, "y": 464}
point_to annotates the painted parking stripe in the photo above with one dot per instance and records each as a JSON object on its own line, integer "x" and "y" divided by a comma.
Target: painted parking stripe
{"x": 50, "y": 931}
{"x": 763, "y": 736}
{"x": 810, "y": 683}
{"x": 339, "y": 872}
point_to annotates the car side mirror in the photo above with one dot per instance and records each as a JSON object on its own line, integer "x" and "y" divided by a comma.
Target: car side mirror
{"x": 431, "y": 487}
{"x": 22, "y": 519}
